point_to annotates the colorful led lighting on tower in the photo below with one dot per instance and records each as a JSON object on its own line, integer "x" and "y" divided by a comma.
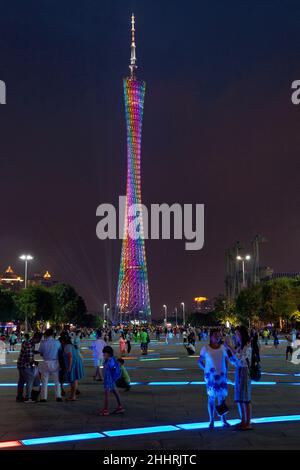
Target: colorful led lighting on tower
{"x": 133, "y": 300}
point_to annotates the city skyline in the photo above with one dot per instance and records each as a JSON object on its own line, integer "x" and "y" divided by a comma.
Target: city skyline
{"x": 220, "y": 129}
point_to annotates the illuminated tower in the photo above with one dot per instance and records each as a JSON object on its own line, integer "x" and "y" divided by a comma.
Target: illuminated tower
{"x": 133, "y": 300}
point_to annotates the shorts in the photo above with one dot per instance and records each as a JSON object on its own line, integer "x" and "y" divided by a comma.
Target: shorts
{"x": 98, "y": 361}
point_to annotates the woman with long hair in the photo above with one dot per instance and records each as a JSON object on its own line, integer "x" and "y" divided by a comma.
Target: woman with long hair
{"x": 241, "y": 358}
{"x": 213, "y": 361}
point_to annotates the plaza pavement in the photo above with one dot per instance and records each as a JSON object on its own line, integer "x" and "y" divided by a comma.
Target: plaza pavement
{"x": 156, "y": 406}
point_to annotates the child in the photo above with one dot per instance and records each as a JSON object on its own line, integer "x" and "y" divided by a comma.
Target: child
{"x": 111, "y": 372}
{"x": 124, "y": 380}
{"x": 97, "y": 348}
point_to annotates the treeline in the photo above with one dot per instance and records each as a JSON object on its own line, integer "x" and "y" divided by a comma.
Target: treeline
{"x": 275, "y": 301}
{"x": 58, "y": 304}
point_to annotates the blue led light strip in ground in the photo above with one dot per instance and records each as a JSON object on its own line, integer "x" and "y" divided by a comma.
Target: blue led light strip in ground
{"x": 67, "y": 438}
{"x": 144, "y": 430}
{"x": 139, "y": 431}
{"x": 168, "y": 383}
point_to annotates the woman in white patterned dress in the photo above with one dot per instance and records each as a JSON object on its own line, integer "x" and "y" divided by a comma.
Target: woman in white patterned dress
{"x": 213, "y": 360}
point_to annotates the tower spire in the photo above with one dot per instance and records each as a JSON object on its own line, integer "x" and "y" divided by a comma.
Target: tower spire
{"x": 132, "y": 65}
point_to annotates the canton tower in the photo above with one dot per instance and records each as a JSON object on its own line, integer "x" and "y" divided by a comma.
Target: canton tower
{"x": 133, "y": 300}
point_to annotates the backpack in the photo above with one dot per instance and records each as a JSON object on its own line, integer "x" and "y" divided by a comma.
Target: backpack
{"x": 115, "y": 370}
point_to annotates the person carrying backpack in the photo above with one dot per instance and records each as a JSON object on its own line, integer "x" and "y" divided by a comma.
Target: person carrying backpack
{"x": 111, "y": 373}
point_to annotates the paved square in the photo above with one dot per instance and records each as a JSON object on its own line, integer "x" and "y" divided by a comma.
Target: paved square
{"x": 156, "y": 405}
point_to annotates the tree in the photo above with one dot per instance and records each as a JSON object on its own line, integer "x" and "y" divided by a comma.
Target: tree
{"x": 8, "y": 308}
{"x": 280, "y": 299}
{"x": 248, "y": 304}
{"x": 225, "y": 311}
{"x": 69, "y": 307}
{"x": 35, "y": 302}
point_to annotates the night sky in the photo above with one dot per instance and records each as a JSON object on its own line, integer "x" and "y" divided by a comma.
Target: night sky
{"x": 219, "y": 129}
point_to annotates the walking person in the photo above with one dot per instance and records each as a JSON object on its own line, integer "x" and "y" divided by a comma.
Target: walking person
{"x": 213, "y": 361}
{"x": 112, "y": 372}
{"x": 97, "y": 347}
{"x": 241, "y": 358}
{"x": 49, "y": 350}
{"x": 73, "y": 366}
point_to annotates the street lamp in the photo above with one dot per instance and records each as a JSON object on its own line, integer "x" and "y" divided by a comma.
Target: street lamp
{"x": 26, "y": 258}
{"x": 243, "y": 259}
{"x": 166, "y": 313}
{"x": 104, "y": 311}
{"x": 183, "y": 313}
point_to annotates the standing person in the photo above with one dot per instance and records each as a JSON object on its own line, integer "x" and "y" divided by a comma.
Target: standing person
{"x": 49, "y": 350}
{"x": 122, "y": 344}
{"x": 112, "y": 372}
{"x": 213, "y": 360}
{"x": 276, "y": 340}
{"x": 77, "y": 339}
{"x": 289, "y": 347}
{"x": 26, "y": 369}
{"x": 97, "y": 347}
{"x": 109, "y": 334}
{"x": 12, "y": 341}
{"x": 73, "y": 365}
{"x": 128, "y": 342}
{"x": 266, "y": 336}
{"x": 241, "y": 358}
{"x": 144, "y": 342}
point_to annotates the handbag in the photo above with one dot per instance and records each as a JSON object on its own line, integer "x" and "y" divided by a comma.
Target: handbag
{"x": 254, "y": 370}
{"x": 222, "y": 409}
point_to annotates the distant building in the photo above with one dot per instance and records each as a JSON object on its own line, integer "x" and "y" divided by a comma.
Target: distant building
{"x": 202, "y": 305}
{"x": 10, "y": 280}
{"x": 39, "y": 279}
{"x": 273, "y": 275}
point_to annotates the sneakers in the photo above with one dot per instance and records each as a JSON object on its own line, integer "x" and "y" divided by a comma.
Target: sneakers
{"x": 104, "y": 412}
{"x": 43, "y": 400}
{"x": 28, "y": 400}
{"x": 119, "y": 410}
{"x": 59, "y": 400}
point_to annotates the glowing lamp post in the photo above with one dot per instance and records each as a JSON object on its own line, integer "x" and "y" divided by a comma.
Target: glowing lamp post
{"x": 243, "y": 259}
{"x": 104, "y": 311}
{"x": 26, "y": 258}
{"x": 183, "y": 313}
{"x": 165, "y": 313}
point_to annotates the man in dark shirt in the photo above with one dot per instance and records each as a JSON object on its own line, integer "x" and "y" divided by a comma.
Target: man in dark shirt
{"x": 26, "y": 368}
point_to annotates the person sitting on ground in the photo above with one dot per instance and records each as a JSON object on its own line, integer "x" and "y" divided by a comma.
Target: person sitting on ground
{"x": 124, "y": 380}
{"x": 190, "y": 348}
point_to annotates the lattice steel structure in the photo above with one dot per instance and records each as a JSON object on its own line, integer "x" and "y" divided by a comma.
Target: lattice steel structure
{"x": 133, "y": 300}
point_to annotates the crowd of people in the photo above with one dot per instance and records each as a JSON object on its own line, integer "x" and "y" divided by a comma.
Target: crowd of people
{"x": 63, "y": 363}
